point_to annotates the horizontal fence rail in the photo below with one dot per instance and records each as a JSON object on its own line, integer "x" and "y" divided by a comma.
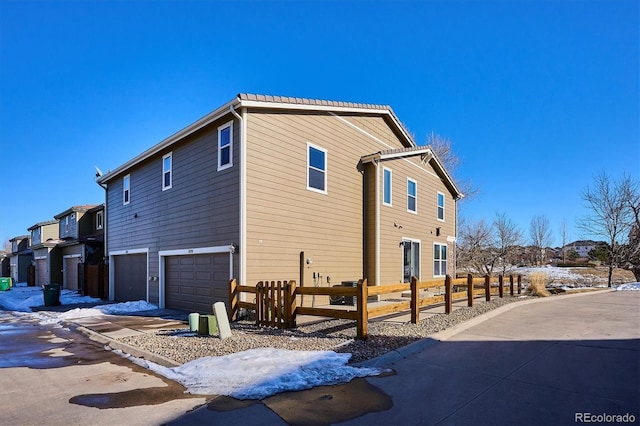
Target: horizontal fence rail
{"x": 275, "y": 301}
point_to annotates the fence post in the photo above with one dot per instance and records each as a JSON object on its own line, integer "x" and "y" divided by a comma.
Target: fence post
{"x": 448, "y": 302}
{"x": 501, "y": 286}
{"x": 469, "y": 290}
{"x": 259, "y": 303}
{"x": 487, "y": 288}
{"x": 519, "y": 284}
{"x": 363, "y": 315}
{"x": 415, "y": 305}
{"x": 290, "y": 304}
{"x": 511, "y": 285}
{"x": 233, "y": 299}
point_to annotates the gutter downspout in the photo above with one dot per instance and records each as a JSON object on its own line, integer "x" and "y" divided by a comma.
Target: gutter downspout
{"x": 377, "y": 243}
{"x": 105, "y": 244}
{"x": 243, "y": 194}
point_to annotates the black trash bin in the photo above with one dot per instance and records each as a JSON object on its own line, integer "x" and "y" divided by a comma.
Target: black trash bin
{"x": 51, "y": 293}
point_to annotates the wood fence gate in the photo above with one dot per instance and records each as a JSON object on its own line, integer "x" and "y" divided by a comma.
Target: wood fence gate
{"x": 274, "y": 303}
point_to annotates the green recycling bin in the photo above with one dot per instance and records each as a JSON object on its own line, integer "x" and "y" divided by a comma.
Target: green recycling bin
{"x": 5, "y": 284}
{"x": 51, "y": 294}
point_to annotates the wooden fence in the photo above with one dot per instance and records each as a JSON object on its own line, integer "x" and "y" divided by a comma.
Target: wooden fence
{"x": 275, "y": 301}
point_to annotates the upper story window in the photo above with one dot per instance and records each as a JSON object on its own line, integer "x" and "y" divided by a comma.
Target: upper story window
{"x": 225, "y": 146}
{"x": 166, "y": 171}
{"x": 35, "y": 237}
{"x": 66, "y": 224}
{"x": 99, "y": 220}
{"x": 386, "y": 186}
{"x": 440, "y": 206}
{"x": 126, "y": 189}
{"x": 316, "y": 169}
{"x": 412, "y": 196}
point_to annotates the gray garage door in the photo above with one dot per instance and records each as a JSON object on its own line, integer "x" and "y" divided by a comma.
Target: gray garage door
{"x": 194, "y": 282}
{"x": 130, "y": 277}
{"x": 70, "y": 273}
{"x": 42, "y": 272}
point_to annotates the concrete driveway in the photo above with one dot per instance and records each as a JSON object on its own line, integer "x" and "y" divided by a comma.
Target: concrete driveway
{"x": 562, "y": 360}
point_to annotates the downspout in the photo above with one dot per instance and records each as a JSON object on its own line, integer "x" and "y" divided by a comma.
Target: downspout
{"x": 243, "y": 194}
{"x": 105, "y": 254}
{"x": 377, "y": 246}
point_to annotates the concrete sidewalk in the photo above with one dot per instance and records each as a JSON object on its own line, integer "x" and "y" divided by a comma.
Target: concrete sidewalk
{"x": 561, "y": 360}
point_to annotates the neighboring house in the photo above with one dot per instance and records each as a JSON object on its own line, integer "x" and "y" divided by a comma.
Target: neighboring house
{"x": 20, "y": 258}
{"x": 5, "y": 268}
{"x": 74, "y": 224}
{"x": 275, "y": 188}
{"x": 46, "y": 254}
{"x": 582, "y": 247}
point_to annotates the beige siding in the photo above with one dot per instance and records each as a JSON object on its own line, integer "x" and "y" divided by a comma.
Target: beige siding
{"x": 336, "y": 230}
{"x": 284, "y": 218}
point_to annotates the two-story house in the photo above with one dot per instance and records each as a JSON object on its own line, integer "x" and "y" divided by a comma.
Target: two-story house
{"x": 271, "y": 187}
{"x": 73, "y": 224}
{"x": 46, "y": 254}
{"x": 20, "y": 258}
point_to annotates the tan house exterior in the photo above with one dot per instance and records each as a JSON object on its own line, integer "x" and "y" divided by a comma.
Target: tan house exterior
{"x": 266, "y": 188}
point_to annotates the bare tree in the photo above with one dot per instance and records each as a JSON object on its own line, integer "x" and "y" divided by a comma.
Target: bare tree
{"x": 507, "y": 239}
{"x": 612, "y": 207}
{"x": 563, "y": 233}
{"x": 473, "y": 240}
{"x": 540, "y": 234}
{"x": 631, "y": 258}
{"x": 442, "y": 147}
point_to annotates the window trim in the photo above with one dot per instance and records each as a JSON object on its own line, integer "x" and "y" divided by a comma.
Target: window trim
{"x": 414, "y": 196}
{"x": 229, "y": 146}
{"x": 438, "y": 208}
{"x": 99, "y": 220}
{"x": 170, "y": 171}
{"x": 384, "y": 182}
{"x": 325, "y": 171}
{"x": 438, "y": 246}
{"x": 126, "y": 189}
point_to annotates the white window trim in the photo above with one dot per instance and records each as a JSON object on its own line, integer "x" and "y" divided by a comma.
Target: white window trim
{"x": 416, "y": 196}
{"x": 126, "y": 189}
{"x": 390, "y": 203}
{"x": 99, "y": 220}
{"x": 444, "y": 203}
{"x": 326, "y": 167}
{"x": 434, "y": 259}
{"x": 228, "y": 125}
{"x": 170, "y": 171}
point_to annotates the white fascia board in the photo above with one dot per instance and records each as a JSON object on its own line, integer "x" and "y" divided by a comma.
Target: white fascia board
{"x": 199, "y": 250}
{"x": 204, "y": 121}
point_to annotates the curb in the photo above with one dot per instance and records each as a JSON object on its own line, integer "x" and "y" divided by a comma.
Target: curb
{"x": 412, "y": 348}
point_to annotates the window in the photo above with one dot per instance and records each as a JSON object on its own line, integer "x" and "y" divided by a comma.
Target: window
{"x": 166, "y": 171}
{"x": 412, "y": 196}
{"x": 126, "y": 189}
{"x": 440, "y": 206}
{"x": 66, "y": 224}
{"x": 439, "y": 260}
{"x": 386, "y": 186}
{"x": 99, "y": 218}
{"x": 225, "y": 146}
{"x": 316, "y": 169}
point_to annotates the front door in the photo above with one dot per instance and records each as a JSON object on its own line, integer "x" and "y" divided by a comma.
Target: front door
{"x": 411, "y": 259}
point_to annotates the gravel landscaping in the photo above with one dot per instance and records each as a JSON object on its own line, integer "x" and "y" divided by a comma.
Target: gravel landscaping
{"x": 183, "y": 346}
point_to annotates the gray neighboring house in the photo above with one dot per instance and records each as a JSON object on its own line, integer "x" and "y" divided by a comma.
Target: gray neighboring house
{"x": 20, "y": 258}
{"x": 46, "y": 254}
{"x": 75, "y": 224}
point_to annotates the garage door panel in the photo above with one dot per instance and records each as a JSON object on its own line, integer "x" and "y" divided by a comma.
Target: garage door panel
{"x": 130, "y": 277}
{"x": 194, "y": 282}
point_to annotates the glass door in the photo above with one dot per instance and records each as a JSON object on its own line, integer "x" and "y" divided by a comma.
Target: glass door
{"x": 411, "y": 259}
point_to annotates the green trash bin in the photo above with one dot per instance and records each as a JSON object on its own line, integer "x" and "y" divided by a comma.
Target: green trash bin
{"x": 5, "y": 284}
{"x": 51, "y": 294}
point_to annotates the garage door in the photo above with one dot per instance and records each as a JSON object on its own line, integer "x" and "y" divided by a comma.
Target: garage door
{"x": 195, "y": 282}
{"x": 42, "y": 276}
{"x": 130, "y": 277}
{"x": 70, "y": 273}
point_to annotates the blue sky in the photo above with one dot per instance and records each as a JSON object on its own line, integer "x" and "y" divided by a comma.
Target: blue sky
{"x": 537, "y": 97}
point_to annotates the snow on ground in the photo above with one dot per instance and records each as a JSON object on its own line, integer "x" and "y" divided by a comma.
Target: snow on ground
{"x": 253, "y": 374}
{"x": 554, "y": 273}
{"x": 629, "y": 286}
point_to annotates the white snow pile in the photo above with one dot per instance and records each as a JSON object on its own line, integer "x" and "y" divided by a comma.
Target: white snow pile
{"x": 259, "y": 373}
{"x": 629, "y": 287}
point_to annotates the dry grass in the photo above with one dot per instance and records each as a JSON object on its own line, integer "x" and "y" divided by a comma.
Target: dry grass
{"x": 538, "y": 285}
{"x": 599, "y": 275}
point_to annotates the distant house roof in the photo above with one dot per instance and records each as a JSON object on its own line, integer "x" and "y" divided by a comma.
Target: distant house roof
{"x": 77, "y": 209}
{"x": 40, "y": 224}
{"x": 246, "y": 100}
